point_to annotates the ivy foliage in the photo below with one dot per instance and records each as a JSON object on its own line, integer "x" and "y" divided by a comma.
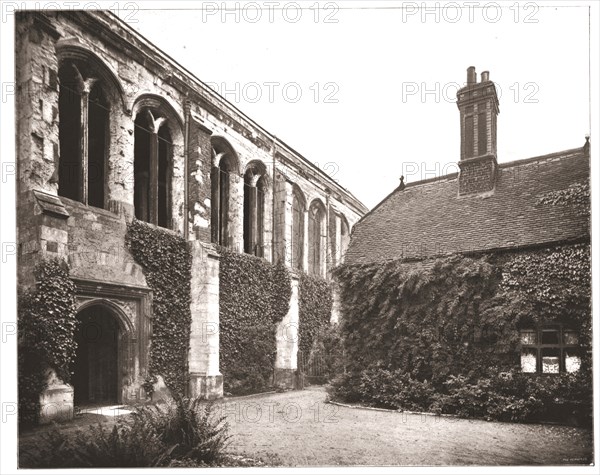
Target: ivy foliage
{"x": 46, "y": 334}
{"x": 314, "y": 308}
{"x": 431, "y": 321}
{"x": 254, "y": 297}
{"x": 576, "y": 196}
{"x": 414, "y": 328}
{"x": 167, "y": 263}
{"x": 551, "y": 285}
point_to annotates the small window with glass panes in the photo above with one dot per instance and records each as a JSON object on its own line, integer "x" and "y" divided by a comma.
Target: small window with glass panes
{"x": 549, "y": 349}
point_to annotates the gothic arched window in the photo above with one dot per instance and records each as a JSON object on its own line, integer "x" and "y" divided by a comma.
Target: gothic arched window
{"x": 255, "y": 186}
{"x": 83, "y": 128}
{"x": 298, "y": 210}
{"x": 316, "y": 238}
{"x": 153, "y": 168}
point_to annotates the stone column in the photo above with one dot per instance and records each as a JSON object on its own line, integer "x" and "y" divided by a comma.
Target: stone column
{"x": 205, "y": 379}
{"x": 286, "y": 362}
{"x": 235, "y": 225}
{"x": 203, "y": 183}
{"x": 84, "y": 88}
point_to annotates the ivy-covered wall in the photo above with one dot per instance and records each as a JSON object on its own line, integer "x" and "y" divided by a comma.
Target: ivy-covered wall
{"x": 166, "y": 261}
{"x": 46, "y": 329}
{"x": 254, "y": 297}
{"x": 411, "y": 329}
{"x": 315, "y": 304}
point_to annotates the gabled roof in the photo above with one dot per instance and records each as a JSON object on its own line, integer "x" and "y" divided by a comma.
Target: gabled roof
{"x": 428, "y": 218}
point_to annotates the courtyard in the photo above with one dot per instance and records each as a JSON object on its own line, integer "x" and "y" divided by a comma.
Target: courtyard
{"x": 299, "y": 428}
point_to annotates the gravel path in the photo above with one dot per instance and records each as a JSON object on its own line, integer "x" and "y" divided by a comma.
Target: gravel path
{"x": 301, "y": 429}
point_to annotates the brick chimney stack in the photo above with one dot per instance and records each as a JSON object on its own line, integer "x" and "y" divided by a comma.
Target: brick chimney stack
{"x": 478, "y": 106}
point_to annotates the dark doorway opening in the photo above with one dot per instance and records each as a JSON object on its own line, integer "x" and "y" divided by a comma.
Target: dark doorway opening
{"x": 95, "y": 370}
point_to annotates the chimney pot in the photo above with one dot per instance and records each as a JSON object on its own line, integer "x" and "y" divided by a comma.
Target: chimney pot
{"x": 485, "y": 76}
{"x": 471, "y": 76}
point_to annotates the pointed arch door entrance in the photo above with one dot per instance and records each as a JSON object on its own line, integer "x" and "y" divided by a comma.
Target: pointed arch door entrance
{"x": 96, "y": 368}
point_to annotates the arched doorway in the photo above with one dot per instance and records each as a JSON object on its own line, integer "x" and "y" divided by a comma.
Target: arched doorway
{"x": 95, "y": 369}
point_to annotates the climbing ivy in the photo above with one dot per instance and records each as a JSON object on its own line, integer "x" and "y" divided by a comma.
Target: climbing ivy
{"x": 166, "y": 261}
{"x": 46, "y": 330}
{"x": 315, "y": 304}
{"x": 448, "y": 329}
{"x": 254, "y": 297}
{"x": 551, "y": 285}
{"x": 577, "y": 196}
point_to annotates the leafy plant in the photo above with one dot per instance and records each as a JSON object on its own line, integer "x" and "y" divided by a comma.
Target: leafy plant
{"x": 46, "y": 328}
{"x": 314, "y": 308}
{"x": 254, "y": 297}
{"x": 451, "y": 325}
{"x": 188, "y": 426}
{"x": 327, "y": 353}
{"x": 167, "y": 262}
{"x": 183, "y": 432}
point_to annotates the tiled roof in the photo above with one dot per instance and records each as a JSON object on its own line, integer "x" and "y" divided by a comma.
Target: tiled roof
{"x": 429, "y": 219}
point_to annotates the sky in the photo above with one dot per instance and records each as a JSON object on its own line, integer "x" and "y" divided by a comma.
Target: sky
{"x": 367, "y": 90}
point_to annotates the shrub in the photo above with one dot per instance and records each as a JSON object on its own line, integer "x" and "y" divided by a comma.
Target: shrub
{"x": 184, "y": 432}
{"x": 188, "y": 426}
{"x": 394, "y": 390}
{"x": 97, "y": 447}
{"x": 500, "y": 396}
{"x": 344, "y": 387}
{"x": 383, "y": 388}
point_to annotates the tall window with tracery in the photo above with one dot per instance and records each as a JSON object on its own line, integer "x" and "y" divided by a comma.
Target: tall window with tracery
{"x": 224, "y": 178}
{"x": 83, "y": 110}
{"x": 254, "y": 208}
{"x": 298, "y": 209}
{"x": 316, "y": 237}
{"x": 152, "y": 168}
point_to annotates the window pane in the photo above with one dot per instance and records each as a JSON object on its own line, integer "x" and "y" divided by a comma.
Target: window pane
{"x": 529, "y": 361}
{"x": 550, "y": 360}
{"x": 572, "y": 361}
{"x": 528, "y": 337}
{"x": 570, "y": 337}
{"x": 550, "y": 336}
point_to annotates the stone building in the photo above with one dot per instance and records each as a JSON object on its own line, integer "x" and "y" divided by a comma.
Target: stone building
{"x": 486, "y": 208}
{"x": 110, "y": 128}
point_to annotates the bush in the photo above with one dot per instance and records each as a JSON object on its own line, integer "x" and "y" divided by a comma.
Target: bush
{"x": 97, "y": 447}
{"x": 344, "y": 387}
{"x": 500, "y": 396}
{"x": 383, "y": 388}
{"x": 184, "y": 432}
{"x": 188, "y": 426}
